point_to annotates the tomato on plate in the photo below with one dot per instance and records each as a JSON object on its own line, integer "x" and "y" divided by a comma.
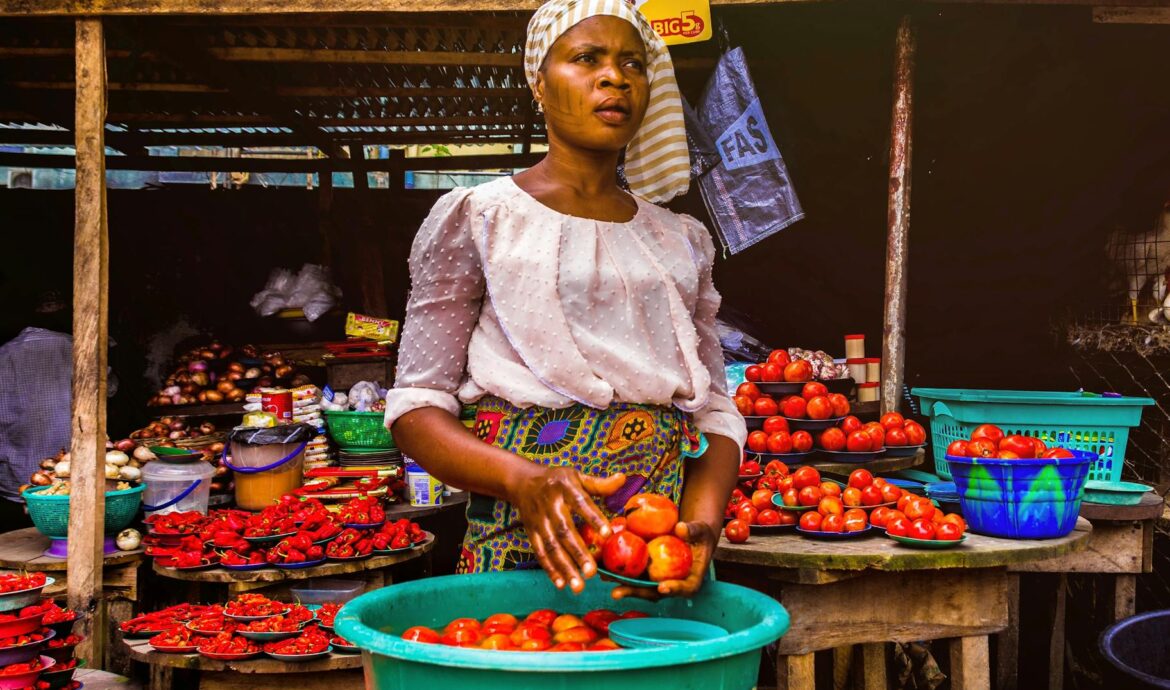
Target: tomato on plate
{"x": 802, "y": 441}
{"x": 819, "y": 408}
{"x": 915, "y": 433}
{"x": 811, "y": 521}
{"x": 737, "y": 531}
{"x": 757, "y": 442}
{"x": 892, "y": 420}
{"x": 833, "y": 439}
{"x": 859, "y": 442}
{"x": 780, "y": 442}
{"x": 775, "y": 423}
{"x": 806, "y": 476}
{"x": 779, "y": 357}
{"x": 752, "y": 373}
{"x": 840, "y": 404}
{"x": 814, "y": 389}
{"x": 765, "y": 407}
{"x": 860, "y": 478}
{"x": 921, "y": 529}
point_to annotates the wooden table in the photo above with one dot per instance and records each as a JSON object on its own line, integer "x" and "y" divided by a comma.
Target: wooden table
{"x": 872, "y": 590}
{"x": 247, "y": 580}
{"x": 1121, "y": 545}
{"x": 24, "y": 550}
{"x": 344, "y": 670}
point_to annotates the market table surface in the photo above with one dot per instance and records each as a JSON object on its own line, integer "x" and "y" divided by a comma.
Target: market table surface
{"x": 872, "y": 590}
{"x": 395, "y": 511}
{"x": 23, "y": 549}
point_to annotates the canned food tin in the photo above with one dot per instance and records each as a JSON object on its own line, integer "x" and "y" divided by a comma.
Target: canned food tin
{"x": 278, "y": 402}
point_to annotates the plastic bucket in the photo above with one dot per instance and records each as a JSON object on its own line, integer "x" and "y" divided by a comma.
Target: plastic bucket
{"x": 375, "y": 620}
{"x": 176, "y": 486}
{"x": 1021, "y": 499}
{"x": 1136, "y": 648}
{"x": 265, "y": 472}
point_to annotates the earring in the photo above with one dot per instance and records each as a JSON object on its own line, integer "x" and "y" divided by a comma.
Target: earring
{"x": 538, "y": 105}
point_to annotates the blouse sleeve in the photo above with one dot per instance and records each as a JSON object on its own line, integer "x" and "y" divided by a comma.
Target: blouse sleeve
{"x": 447, "y": 287}
{"x": 719, "y": 415}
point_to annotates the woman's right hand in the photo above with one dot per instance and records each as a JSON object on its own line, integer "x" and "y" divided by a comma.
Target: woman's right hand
{"x": 547, "y": 501}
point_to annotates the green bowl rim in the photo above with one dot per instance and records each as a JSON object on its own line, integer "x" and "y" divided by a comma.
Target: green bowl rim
{"x": 348, "y": 625}
{"x": 37, "y": 489}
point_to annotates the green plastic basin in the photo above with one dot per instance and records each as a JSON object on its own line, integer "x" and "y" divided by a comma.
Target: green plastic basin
{"x": 375, "y": 620}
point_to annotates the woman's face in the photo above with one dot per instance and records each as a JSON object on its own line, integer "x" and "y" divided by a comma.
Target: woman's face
{"x": 593, "y": 84}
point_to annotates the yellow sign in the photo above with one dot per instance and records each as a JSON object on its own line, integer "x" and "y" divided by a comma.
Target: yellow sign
{"x": 678, "y": 21}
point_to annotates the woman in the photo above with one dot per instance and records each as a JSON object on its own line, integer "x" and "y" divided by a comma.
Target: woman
{"x": 580, "y": 318}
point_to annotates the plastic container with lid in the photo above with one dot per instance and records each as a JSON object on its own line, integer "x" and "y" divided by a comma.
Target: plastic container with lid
{"x": 176, "y": 483}
{"x": 873, "y": 369}
{"x": 268, "y": 463}
{"x": 868, "y": 392}
{"x": 856, "y": 369}
{"x": 854, "y": 346}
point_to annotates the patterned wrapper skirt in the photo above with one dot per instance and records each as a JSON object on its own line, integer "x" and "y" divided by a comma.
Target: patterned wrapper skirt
{"x": 646, "y": 442}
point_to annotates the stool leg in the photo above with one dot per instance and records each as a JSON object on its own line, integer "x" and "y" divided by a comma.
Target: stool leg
{"x": 796, "y": 672}
{"x": 1008, "y": 641}
{"x": 1124, "y": 596}
{"x": 970, "y": 663}
{"x": 842, "y": 665}
{"x": 1056, "y": 642}
{"x": 873, "y": 665}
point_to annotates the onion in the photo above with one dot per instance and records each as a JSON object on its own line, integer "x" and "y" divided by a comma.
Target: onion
{"x": 171, "y": 390}
{"x": 176, "y": 399}
{"x": 197, "y": 366}
{"x": 40, "y": 479}
{"x": 144, "y": 454}
{"x": 202, "y": 379}
{"x": 48, "y": 463}
{"x": 206, "y": 428}
{"x": 125, "y": 445}
{"x": 236, "y": 366}
{"x": 62, "y": 469}
{"x": 176, "y": 435}
{"x": 283, "y": 371}
{"x": 216, "y": 447}
{"x": 252, "y": 373}
{"x": 112, "y": 471}
{"x": 130, "y": 474}
{"x": 117, "y": 458}
{"x": 225, "y": 387}
{"x": 128, "y": 539}
{"x": 234, "y": 376}
{"x": 236, "y": 395}
{"x": 213, "y": 396}
{"x": 177, "y": 425}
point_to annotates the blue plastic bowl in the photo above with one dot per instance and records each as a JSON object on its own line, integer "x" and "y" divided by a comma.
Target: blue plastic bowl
{"x": 375, "y": 621}
{"x": 1021, "y": 499}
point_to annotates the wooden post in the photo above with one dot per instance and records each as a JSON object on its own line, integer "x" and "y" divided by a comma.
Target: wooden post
{"x": 90, "y": 332}
{"x": 970, "y": 664}
{"x": 796, "y": 672}
{"x": 898, "y": 219}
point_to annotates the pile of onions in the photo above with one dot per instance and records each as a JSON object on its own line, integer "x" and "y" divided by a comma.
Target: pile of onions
{"x": 213, "y": 374}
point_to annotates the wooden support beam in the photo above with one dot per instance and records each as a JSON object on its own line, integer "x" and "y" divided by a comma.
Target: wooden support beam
{"x": 256, "y": 139}
{"x": 1131, "y": 15}
{"x": 90, "y": 337}
{"x": 394, "y": 165}
{"x": 898, "y": 218}
{"x": 170, "y": 120}
{"x": 291, "y": 91}
{"x": 368, "y": 57}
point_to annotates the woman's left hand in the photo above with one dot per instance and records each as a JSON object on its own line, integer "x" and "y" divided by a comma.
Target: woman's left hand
{"x": 702, "y": 540}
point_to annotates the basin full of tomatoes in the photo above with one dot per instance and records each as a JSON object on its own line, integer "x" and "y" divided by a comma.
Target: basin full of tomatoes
{"x": 642, "y": 543}
{"x": 543, "y": 630}
{"x": 990, "y": 441}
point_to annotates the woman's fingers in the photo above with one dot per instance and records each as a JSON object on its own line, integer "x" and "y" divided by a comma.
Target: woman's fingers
{"x": 602, "y": 486}
{"x": 571, "y": 540}
{"x": 545, "y": 560}
{"x": 560, "y": 557}
{"x": 623, "y": 591}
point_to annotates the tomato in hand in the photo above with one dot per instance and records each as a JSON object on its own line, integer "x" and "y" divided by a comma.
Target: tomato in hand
{"x": 626, "y": 554}
{"x": 775, "y": 423}
{"x": 802, "y": 441}
{"x": 765, "y": 407}
{"x": 737, "y": 531}
{"x": 892, "y": 420}
{"x": 814, "y": 389}
{"x": 752, "y": 373}
{"x": 833, "y": 439}
{"x": 819, "y": 408}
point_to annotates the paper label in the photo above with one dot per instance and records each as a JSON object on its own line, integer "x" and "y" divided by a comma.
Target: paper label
{"x": 678, "y": 21}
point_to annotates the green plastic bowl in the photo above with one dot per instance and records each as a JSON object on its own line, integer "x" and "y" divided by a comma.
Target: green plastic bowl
{"x": 375, "y": 620}
{"x": 1115, "y": 493}
{"x": 50, "y": 514}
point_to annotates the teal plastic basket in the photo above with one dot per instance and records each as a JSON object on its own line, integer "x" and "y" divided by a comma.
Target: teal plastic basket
{"x": 1077, "y": 421}
{"x": 50, "y": 514}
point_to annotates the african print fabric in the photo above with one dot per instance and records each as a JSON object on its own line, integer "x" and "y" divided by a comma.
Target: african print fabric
{"x": 646, "y": 442}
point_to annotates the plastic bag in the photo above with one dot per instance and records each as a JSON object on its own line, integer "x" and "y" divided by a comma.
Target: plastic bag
{"x": 363, "y": 395}
{"x": 309, "y": 290}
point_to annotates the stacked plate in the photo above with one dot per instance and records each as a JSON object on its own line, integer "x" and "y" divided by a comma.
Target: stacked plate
{"x": 368, "y": 458}
{"x": 946, "y": 494}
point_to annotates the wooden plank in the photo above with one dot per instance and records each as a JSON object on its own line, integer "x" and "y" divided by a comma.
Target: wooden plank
{"x": 1113, "y": 547}
{"x": 794, "y": 551}
{"x": 116, "y": 657}
{"x": 368, "y": 57}
{"x": 24, "y": 548}
{"x": 898, "y": 218}
{"x": 291, "y": 91}
{"x": 1131, "y": 15}
{"x": 1124, "y": 596}
{"x": 842, "y": 666}
{"x": 969, "y": 664}
{"x": 90, "y": 336}
{"x": 505, "y": 161}
{"x": 95, "y": 679}
{"x": 796, "y": 672}
{"x": 873, "y": 666}
{"x": 946, "y": 603}
{"x": 140, "y": 650}
{"x": 1056, "y": 641}
{"x": 342, "y": 680}
{"x": 1008, "y": 641}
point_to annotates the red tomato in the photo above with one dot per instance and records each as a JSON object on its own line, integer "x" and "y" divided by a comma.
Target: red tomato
{"x": 860, "y": 478}
{"x": 871, "y": 496}
{"x": 1041, "y": 447}
{"x": 892, "y": 420}
{"x": 460, "y": 636}
{"x": 899, "y": 526}
{"x": 859, "y": 442}
{"x": 747, "y": 512}
{"x": 497, "y": 641}
{"x": 840, "y": 404}
{"x": 794, "y": 407}
{"x": 958, "y": 449}
{"x": 744, "y": 405}
{"x": 780, "y": 442}
{"x": 545, "y": 617}
{"x": 981, "y": 448}
{"x": 749, "y": 389}
{"x": 905, "y": 501}
{"x": 768, "y": 517}
{"x": 879, "y": 516}
{"x": 811, "y": 521}
{"x": 920, "y": 508}
{"x": 802, "y": 441}
{"x": 626, "y": 554}
{"x": 762, "y": 500}
{"x": 791, "y": 497}
{"x": 421, "y": 634}
{"x": 855, "y": 520}
{"x": 501, "y": 619}
{"x": 921, "y": 529}
{"x": 1007, "y": 455}
{"x": 806, "y": 476}
{"x": 783, "y": 483}
{"x": 948, "y": 531}
{"x": 890, "y": 493}
{"x": 850, "y": 424}
{"x": 775, "y": 468}
{"x": 757, "y": 442}
{"x": 461, "y": 623}
{"x": 831, "y": 489}
{"x": 956, "y": 520}
{"x": 915, "y": 434}
{"x": 1058, "y": 453}
{"x": 988, "y": 431}
{"x": 651, "y": 515}
{"x": 851, "y": 496}
{"x": 833, "y": 523}
{"x": 814, "y": 389}
{"x": 775, "y": 423}
{"x": 737, "y": 531}
{"x": 897, "y": 437}
{"x": 1022, "y": 446}
{"x": 830, "y": 505}
{"x": 819, "y": 408}
{"x": 670, "y": 558}
{"x": 767, "y": 482}
{"x": 877, "y": 434}
{"x": 798, "y": 371}
{"x": 832, "y": 439}
{"x": 771, "y": 373}
{"x": 787, "y": 517}
{"x": 749, "y": 467}
{"x": 779, "y": 357}
{"x": 809, "y": 496}
{"x": 765, "y": 407}
{"x": 752, "y": 373}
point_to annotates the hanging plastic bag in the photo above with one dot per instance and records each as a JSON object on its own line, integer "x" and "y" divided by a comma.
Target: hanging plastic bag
{"x": 748, "y": 194}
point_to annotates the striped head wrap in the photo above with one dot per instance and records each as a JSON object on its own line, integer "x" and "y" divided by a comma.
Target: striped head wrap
{"x": 657, "y": 162}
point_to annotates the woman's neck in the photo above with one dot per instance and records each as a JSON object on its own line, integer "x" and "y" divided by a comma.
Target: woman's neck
{"x": 579, "y": 183}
